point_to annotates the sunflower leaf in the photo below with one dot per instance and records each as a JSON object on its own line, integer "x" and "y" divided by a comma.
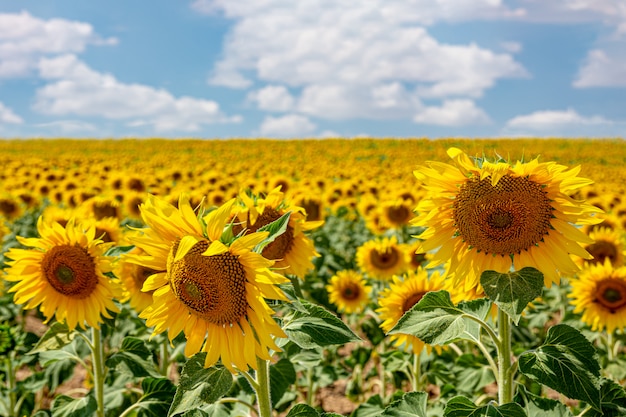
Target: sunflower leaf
{"x": 57, "y": 336}
{"x": 612, "y": 400}
{"x": 566, "y": 362}
{"x": 411, "y": 404}
{"x": 282, "y": 375}
{"x": 135, "y": 356}
{"x": 512, "y": 291}
{"x": 303, "y": 410}
{"x": 463, "y": 407}
{"x": 158, "y": 394}
{"x": 537, "y": 406}
{"x": 434, "y": 320}
{"x": 317, "y": 327}
{"x": 66, "y": 406}
{"x": 275, "y": 229}
{"x": 199, "y": 386}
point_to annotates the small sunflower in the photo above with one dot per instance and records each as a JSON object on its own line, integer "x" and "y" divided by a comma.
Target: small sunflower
{"x": 402, "y": 294}
{"x": 63, "y": 274}
{"x": 348, "y": 291}
{"x": 607, "y": 244}
{"x": 396, "y": 214}
{"x": 599, "y": 293}
{"x": 495, "y": 216}
{"x": 381, "y": 258}
{"x": 208, "y": 285}
{"x": 413, "y": 257}
{"x": 293, "y": 251}
{"x": 132, "y": 276}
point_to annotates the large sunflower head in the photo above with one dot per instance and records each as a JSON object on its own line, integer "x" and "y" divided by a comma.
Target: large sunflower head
{"x": 63, "y": 273}
{"x": 483, "y": 216}
{"x": 293, "y": 251}
{"x": 402, "y": 294}
{"x": 348, "y": 291}
{"x": 208, "y": 283}
{"x": 599, "y": 293}
{"x": 381, "y": 258}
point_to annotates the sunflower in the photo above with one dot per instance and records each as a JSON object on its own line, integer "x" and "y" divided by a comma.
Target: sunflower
{"x": 396, "y": 214}
{"x": 402, "y": 294}
{"x": 413, "y": 257}
{"x": 381, "y": 258}
{"x": 210, "y": 286}
{"x": 607, "y": 244}
{"x": 132, "y": 276}
{"x": 600, "y": 294}
{"x": 293, "y": 251}
{"x": 63, "y": 274}
{"x": 495, "y": 216}
{"x": 348, "y": 291}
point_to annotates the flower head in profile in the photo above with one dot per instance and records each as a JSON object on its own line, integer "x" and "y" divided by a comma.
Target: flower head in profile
{"x": 293, "y": 250}
{"x": 208, "y": 284}
{"x": 599, "y": 293}
{"x": 483, "y": 216}
{"x": 348, "y": 291}
{"x": 62, "y": 272}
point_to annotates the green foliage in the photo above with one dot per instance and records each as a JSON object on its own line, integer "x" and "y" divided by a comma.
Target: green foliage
{"x": 463, "y": 407}
{"x": 412, "y": 404}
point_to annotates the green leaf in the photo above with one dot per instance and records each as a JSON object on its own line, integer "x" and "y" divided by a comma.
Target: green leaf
{"x": 282, "y": 375}
{"x": 317, "y": 327}
{"x": 612, "y": 400}
{"x": 372, "y": 408}
{"x": 116, "y": 251}
{"x": 57, "y": 336}
{"x": 512, "y": 291}
{"x": 536, "y": 406}
{"x": 463, "y": 407}
{"x": 411, "y": 404}
{"x": 275, "y": 229}
{"x": 199, "y": 386}
{"x": 566, "y": 362}
{"x": 303, "y": 410}
{"x": 158, "y": 394}
{"x": 195, "y": 413}
{"x": 65, "y": 406}
{"x": 135, "y": 355}
{"x": 434, "y": 320}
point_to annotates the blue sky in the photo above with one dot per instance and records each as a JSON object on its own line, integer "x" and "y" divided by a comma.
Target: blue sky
{"x": 312, "y": 69}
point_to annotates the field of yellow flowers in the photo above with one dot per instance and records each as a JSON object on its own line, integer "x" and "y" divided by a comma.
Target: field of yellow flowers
{"x": 361, "y": 277}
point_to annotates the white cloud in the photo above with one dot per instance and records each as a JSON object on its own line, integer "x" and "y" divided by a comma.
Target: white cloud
{"x": 602, "y": 70}
{"x": 510, "y": 46}
{"x": 564, "y": 123}
{"x": 356, "y": 59}
{"x": 458, "y": 112}
{"x": 273, "y": 98}
{"x": 288, "y": 126}
{"x": 76, "y": 89}
{"x": 24, "y": 39}
{"x": 8, "y": 116}
{"x": 68, "y": 127}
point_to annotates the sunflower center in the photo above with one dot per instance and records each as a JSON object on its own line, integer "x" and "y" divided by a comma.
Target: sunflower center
{"x": 418, "y": 259}
{"x": 282, "y": 244}
{"x": 212, "y": 287}
{"x": 602, "y": 250}
{"x": 140, "y": 274}
{"x": 70, "y": 270}
{"x": 411, "y": 301}
{"x": 611, "y": 294}
{"x": 384, "y": 260}
{"x": 350, "y": 292}
{"x": 398, "y": 214}
{"x": 506, "y": 219}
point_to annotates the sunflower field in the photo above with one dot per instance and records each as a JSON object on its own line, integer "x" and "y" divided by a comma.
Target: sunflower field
{"x": 313, "y": 278}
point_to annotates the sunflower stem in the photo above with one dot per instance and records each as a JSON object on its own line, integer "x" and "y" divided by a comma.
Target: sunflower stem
{"x": 11, "y": 385}
{"x": 610, "y": 345}
{"x": 296, "y": 285}
{"x": 164, "y": 365}
{"x": 310, "y": 386}
{"x": 416, "y": 371}
{"x": 264, "y": 399}
{"x": 98, "y": 369}
{"x": 505, "y": 368}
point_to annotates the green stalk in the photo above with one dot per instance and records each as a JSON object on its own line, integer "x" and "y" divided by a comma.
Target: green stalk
{"x": 263, "y": 387}
{"x": 416, "y": 371}
{"x": 505, "y": 368}
{"x": 164, "y": 365}
{"x": 310, "y": 386}
{"x": 11, "y": 385}
{"x": 98, "y": 369}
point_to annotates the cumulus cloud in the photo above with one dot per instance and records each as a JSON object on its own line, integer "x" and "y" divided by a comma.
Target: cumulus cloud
{"x": 288, "y": 126}
{"x": 458, "y": 112}
{"x": 602, "y": 70}
{"x": 76, "y": 89}
{"x": 68, "y": 127}
{"x": 273, "y": 98}
{"x": 8, "y": 116}
{"x": 24, "y": 39}
{"x": 564, "y": 123}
